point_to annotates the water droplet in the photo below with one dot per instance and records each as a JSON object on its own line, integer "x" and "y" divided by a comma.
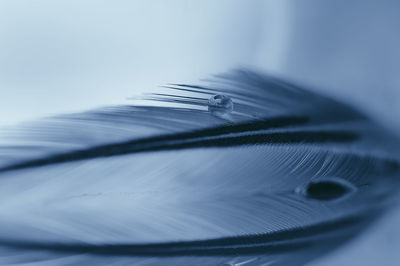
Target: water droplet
{"x": 220, "y": 103}
{"x": 327, "y": 189}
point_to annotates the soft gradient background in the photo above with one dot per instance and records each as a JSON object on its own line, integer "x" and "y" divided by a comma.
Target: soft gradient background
{"x": 71, "y": 55}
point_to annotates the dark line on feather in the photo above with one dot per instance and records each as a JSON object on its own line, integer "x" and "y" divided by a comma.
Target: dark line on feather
{"x": 199, "y": 139}
{"x": 188, "y": 90}
{"x": 198, "y": 89}
{"x": 178, "y": 96}
{"x": 276, "y": 242}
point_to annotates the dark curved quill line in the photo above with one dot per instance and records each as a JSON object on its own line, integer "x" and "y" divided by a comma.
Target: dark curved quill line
{"x": 276, "y": 242}
{"x": 199, "y": 139}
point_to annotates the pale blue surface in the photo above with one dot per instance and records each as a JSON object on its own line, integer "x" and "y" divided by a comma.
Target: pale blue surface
{"x": 69, "y": 56}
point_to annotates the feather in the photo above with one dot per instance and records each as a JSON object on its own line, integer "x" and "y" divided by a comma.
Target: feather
{"x": 246, "y": 170}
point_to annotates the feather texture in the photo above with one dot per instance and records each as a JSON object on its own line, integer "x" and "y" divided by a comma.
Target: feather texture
{"x": 283, "y": 177}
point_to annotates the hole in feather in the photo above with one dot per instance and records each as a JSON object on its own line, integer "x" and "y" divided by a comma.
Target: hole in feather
{"x": 328, "y": 189}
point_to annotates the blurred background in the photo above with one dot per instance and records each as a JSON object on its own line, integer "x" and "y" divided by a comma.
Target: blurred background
{"x": 72, "y": 55}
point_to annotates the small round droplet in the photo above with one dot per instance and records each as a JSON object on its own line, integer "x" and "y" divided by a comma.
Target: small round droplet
{"x": 220, "y": 103}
